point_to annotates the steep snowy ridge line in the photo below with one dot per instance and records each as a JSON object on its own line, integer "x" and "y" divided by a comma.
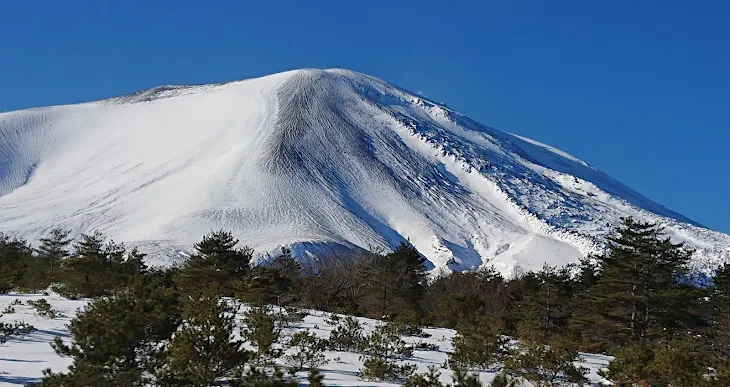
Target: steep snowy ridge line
{"x": 319, "y": 160}
{"x": 703, "y": 264}
{"x": 464, "y": 165}
{"x": 587, "y": 245}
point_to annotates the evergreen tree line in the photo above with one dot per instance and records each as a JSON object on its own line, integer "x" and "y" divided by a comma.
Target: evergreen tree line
{"x": 633, "y": 302}
{"x": 91, "y": 267}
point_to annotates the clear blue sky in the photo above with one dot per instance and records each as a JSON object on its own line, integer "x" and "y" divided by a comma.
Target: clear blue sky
{"x": 640, "y": 89}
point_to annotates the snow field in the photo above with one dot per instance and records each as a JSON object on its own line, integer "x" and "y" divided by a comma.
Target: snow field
{"x": 23, "y": 360}
{"x": 318, "y": 160}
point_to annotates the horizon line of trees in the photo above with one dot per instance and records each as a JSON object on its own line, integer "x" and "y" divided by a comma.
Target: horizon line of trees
{"x": 631, "y": 302}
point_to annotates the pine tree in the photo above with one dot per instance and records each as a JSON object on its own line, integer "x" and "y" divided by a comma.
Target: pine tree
{"x": 220, "y": 246}
{"x": 305, "y": 351}
{"x": 584, "y": 319}
{"x": 90, "y": 245}
{"x": 397, "y": 282}
{"x": 263, "y": 333}
{"x": 204, "y": 349}
{"x": 116, "y": 339}
{"x": 679, "y": 362}
{"x": 200, "y": 275}
{"x": 347, "y": 335}
{"x": 264, "y": 286}
{"x": 53, "y": 249}
{"x": 383, "y": 347}
{"x": 638, "y": 296}
{"x": 132, "y": 269}
{"x": 15, "y": 257}
{"x": 99, "y": 268}
{"x": 462, "y": 298}
{"x": 286, "y": 263}
{"x": 291, "y": 271}
{"x": 84, "y": 270}
{"x": 546, "y": 301}
{"x": 478, "y": 347}
{"x": 216, "y": 265}
{"x": 588, "y": 274}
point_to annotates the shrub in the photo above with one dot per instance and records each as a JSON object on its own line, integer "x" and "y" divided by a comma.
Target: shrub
{"x": 462, "y": 378}
{"x": 385, "y": 343}
{"x": 422, "y": 346}
{"x": 16, "y": 329}
{"x": 290, "y": 317}
{"x": 383, "y": 348}
{"x": 503, "y": 380}
{"x": 406, "y": 324}
{"x": 678, "y": 363}
{"x": 379, "y": 369}
{"x": 630, "y": 365}
{"x": 261, "y": 377}
{"x": 347, "y": 335}
{"x": 315, "y": 378}
{"x": 722, "y": 374}
{"x": 429, "y": 379}
{"x": 43, "y": 308}
{"x": 333, "y": 320}
{"x": 307, "y": 351}
{"x": 546, "y": 364}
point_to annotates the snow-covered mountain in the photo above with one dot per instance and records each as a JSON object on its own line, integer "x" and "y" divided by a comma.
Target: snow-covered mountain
{"x": 317, "y": 159}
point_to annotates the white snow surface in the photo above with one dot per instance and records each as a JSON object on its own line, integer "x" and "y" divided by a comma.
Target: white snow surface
{"x": 23, "y": 360}
{"x": 319, "y": 160}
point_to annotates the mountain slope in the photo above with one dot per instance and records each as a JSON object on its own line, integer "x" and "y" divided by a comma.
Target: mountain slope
{"x": 318, "y": 159}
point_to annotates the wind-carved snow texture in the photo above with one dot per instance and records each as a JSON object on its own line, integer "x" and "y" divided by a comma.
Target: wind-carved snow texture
{"x": 320, "y": 160}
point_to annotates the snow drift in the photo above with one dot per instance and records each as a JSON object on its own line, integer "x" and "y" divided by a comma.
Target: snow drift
{"x": 319, "y": 160}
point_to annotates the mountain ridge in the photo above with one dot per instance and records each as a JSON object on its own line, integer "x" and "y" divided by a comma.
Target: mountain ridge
{"x": 317, "y": 159}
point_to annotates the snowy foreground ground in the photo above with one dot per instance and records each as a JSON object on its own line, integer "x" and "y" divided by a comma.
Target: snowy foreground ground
{"x": 22, "y": 361}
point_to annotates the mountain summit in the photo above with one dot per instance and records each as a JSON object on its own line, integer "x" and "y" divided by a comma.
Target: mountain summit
{"x": 319, "y": 160}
